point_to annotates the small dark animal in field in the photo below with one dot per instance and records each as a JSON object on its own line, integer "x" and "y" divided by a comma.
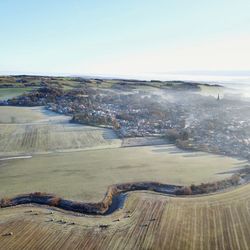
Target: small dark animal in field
{"x": 28, "y": 211}
{"x": 153, "y": 219}
{"x": 104, "y": 226}
{"x": 62, "y": 221}
{"x": 7, "y": 234}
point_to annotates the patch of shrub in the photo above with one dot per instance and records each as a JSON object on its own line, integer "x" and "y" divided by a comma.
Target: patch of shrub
{"x": 37, "y": 194}
{"x": 5, "y": 202}
{"x": 204, "y": 188}
{"x": 184, "y": 191}
{"x": 55, "y": 201}
{"x": 235, "y": 179}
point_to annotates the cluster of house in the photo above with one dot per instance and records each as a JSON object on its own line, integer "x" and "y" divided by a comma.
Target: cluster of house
{"x": 130, "y": 115}
{"x": 212, "y": 126}
{"x": 223, "y": 130}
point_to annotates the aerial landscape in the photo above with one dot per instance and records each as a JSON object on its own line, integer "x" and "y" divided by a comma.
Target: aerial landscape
{"x": 102, "y": 147}
{"x": 89, "y": 134}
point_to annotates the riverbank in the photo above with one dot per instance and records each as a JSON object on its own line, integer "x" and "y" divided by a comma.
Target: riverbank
{"x": 114, "y": 198}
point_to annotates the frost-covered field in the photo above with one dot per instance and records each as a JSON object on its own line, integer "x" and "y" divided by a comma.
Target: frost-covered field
{"x": 86, "y": 175}
{"x": 33, "y": 130}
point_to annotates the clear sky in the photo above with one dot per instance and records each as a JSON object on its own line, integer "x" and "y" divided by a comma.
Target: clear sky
{"x": 115, "y": 37}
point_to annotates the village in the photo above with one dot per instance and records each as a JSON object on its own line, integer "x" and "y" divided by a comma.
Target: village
{"x": 195, "y": 122}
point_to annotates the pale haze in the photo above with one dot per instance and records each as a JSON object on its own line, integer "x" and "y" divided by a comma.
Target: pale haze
{"x": 123, "y": 37}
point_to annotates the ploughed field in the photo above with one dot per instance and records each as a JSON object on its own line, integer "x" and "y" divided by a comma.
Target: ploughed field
{"x": 147, "y": 221}
{"x": 34, "y": 130}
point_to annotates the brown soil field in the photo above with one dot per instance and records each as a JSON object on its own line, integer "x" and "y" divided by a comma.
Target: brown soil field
{"x": 147, "y": 221}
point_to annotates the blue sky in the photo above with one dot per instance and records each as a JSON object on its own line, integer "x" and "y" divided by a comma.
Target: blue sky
{"x": 123, "y": 37}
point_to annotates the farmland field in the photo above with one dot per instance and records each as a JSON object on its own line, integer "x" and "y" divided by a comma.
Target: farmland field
{"x": 89, "y": 173}
{"x": 41, "y": 151}
{"x": 8, "y": 93}
{"x": 34, "y": 130}
{"x": 22, "y": 115}
{"x": 147, "y": 221}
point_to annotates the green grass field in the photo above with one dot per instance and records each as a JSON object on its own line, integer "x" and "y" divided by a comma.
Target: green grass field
{"x": 8, "y": 93}
{"x": 85, "y": 175}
